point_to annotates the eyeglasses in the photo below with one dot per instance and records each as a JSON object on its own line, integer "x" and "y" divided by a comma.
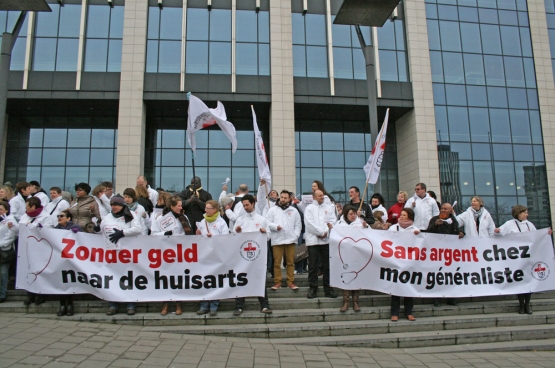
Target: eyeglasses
{"x": 60, "y": 216}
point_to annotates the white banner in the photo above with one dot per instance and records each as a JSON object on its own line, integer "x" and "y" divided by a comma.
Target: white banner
{"x": 143, "y": 268}
{"x": 435, "y": 265}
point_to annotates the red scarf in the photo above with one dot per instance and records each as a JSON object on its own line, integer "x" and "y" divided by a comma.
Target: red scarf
{"x": 34, "y": 213}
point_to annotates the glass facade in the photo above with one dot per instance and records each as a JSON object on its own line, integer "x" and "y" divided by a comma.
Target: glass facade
{"x": 104, "y": 36}
{"x": 57, "y": 38}
{"x": 252, "y": 42}
{"x": 168, "y": 161}
{"x": 7, "y": 22}
{"x": 334, "y": 152}
{"x": 61, "y": 151}
{"x": 486, "y": 106}
{"x": 163, "y": 51}
{"x": 310, "y": 58}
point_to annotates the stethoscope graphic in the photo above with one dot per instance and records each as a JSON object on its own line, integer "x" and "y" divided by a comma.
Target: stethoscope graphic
{"x": 349, "y": 276}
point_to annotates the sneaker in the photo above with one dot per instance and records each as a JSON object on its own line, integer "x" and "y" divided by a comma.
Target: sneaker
{"x": 202, "y": 311}
{"x": 213, "y": 313}
{"x": 237, "y": 312}
{"x": 111, "y": 312}
{"x": 131, "y": 312}
{"x": 293, "y": 287}
{"x": 276, "y": 286}
{"x": 266, "y": 310}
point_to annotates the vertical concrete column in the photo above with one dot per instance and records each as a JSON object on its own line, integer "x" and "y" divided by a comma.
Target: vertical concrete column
{"x": 546, "y": 89}
{"x": 132, "y": 110}
{"x": 416, "y": 131}
{"x": 282, "y": 111}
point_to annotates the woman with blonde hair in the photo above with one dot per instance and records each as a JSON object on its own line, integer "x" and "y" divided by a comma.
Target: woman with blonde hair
{"x": 6, "y": 193}
{"x": 98, "y": 192}
{"x": 395, "y": 211}
{"x": 476, "y": 220}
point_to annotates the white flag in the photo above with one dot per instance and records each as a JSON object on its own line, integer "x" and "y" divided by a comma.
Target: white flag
{"x": 261, "y": 159}
{"x": 200, "y": 116}
{"x": 374, "y": 164}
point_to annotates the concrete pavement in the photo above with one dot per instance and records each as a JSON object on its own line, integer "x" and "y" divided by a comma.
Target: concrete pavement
{"x": 30, "y": 341}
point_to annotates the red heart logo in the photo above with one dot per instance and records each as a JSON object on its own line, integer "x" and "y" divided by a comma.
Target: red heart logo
{"x": 354, "y": 256}
{"x": 37, "y": 259}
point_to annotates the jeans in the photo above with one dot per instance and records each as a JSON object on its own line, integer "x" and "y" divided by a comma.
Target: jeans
{"x": 317, "y": 254}
{"x": 396, "y": 305}
{"x": 211, "y": 305}
{"x": 263, "y": 300}
{"x": 115, "y": 305}
{"x": 4, "y": 268}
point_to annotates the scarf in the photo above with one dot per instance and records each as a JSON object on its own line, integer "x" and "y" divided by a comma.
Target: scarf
{"x": 443, "y": 216}
{"x": 160, "y": 206}
{"x": 282, "y": 205}
{"x": 196, "y": 191}
{"x": 184, "y": 222}
{"x": 405, "y": 223}
{"x": 125, "y": 213}
{"x": 212, "y": 218}
{"x": 374, "y": 207}
{"x": 478, "y": 213}
{"x": 34, "y": 213}
{"x": 132, "y": 206}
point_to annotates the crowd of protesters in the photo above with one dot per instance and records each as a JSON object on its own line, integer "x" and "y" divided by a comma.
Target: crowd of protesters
{"x": 286, "y": 220}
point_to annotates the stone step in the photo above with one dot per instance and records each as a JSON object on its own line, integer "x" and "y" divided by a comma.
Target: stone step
{"x": 520, "y": 345}
{"x": 148, "y": 314}
{"x": 426, "y": 338}
{"x": 358, "y": 327}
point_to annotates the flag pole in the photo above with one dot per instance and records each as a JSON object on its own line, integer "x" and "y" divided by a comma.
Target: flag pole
{"x": 362, "y": 199}
{"x": 267, "y": 193}
{"x": 192, "y": 158}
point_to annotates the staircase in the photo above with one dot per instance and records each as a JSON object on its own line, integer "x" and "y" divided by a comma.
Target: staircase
{"x": 477, "y": 324}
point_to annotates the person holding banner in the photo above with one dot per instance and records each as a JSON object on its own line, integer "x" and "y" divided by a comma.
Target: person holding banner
{"x": 8, "y": 232}
{"x": 212, "y": 224}
{"x": 476, "y": 220}
{"x": 251, "y": 221}
{"x": 350, "y": 218}
{"x": 519, "y": 224}
{"x": 130, "y": 198}
{"x": 84, "y": 207}
{"x": 377, "y": 203}
{"x": 172, "y": 221}
{"x": 319, "y": 218}
{"x": 65, "y": 223}
{"x": 424, "y": 207}
{"x": 119, "y": 223}
{"x": 395, "y": 211}
{"x": 405, "y": 224}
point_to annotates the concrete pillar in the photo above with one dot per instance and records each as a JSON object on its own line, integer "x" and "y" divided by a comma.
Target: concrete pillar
{"x": 282, "y": 110}
{"x": 132, "y": 110}
{"x": 416, "y": 131}
{"x": 546, "y": 89}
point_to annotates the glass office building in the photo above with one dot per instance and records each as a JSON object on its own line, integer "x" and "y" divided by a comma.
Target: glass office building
{"x": 97, "y": 92}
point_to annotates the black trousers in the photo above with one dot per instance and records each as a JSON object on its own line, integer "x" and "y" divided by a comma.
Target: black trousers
{"x": 319, "y": 254}
{"x": 396, "y": 305}
{"x": 263, "y": 300}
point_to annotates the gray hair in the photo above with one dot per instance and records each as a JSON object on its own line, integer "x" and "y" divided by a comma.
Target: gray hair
{"x": 228, "y": 199}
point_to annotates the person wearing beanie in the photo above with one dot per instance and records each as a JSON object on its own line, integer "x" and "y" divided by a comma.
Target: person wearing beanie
{"x": 119, "y": 223}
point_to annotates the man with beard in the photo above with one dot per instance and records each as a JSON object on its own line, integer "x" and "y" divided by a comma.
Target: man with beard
{"x": 194, "y": 201}
{"x": 285, "y": 227}
{"x": 445, "y": 223}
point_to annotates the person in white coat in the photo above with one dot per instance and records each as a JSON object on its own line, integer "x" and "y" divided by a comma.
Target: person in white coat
{"x": 130, "y": 197}
{"x": 99, "y": 195}
{"x": 424, "y": 207}
{"x": 37, "y": 191}
{"x": 212, "y": 224}
{"x": 284, "y": 222}
{"x": 477, "y": 221}
{"x": 8, "y": 233}
{"x": 119, "y": 223}
{"x": 250, "y": 222}
{"x": 34, "y": 216}
{"x": 519, "y": 224}
{"x": 171, "y": 222}
{"x": 17, "y": 203}
{"x": 377, "y": 204}
{"x": 405, "y": 224}
{"x": 152, "y": 193}
{"x": 57, "y": 204}
{"x": 236, "y": 209}
{"x": 319, "y": 218}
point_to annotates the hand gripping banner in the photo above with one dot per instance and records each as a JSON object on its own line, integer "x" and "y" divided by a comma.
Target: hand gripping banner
{"x": 433, "y": 265}
{"x": 142, "y": 268}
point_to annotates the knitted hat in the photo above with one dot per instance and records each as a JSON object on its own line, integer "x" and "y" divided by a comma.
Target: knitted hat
{"x": 117, "y": 199}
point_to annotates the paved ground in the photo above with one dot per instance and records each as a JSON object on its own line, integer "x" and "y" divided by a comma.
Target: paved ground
{"x": 29, "y": 341}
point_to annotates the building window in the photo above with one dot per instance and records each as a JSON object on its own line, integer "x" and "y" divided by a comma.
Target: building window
{"x": 103, "y": 38}
{"x": 348, "y": 58}
{"x": 486, "y": 107}
{"x": 310, "y": 57}
{"x": 252, "y": 42}
{"x": 61, "y": 151}
{"x": 7, "y": 22}
{"x": 208, "y": 41}
{"x": 57, "y": 38}
{"x": 168, "y": 160}
{"x": 392, "y": 51}
{"x": 163, "y": 52}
